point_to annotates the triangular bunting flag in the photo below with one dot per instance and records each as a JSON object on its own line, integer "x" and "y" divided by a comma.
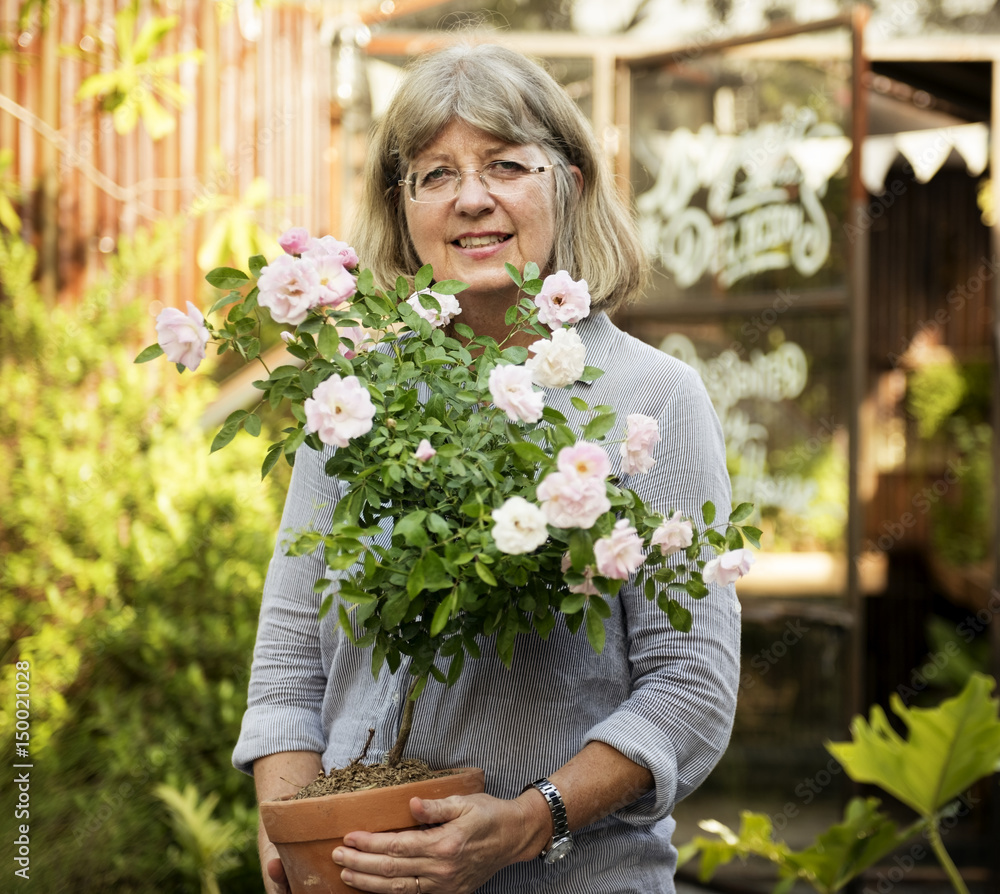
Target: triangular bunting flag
{"x": 926, "y": 150}
{"x": 877, "y": 155}
{"x": 972, "y": 141}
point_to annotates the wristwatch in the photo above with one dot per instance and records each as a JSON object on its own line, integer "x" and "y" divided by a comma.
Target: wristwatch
{"x": 562, "y": 841}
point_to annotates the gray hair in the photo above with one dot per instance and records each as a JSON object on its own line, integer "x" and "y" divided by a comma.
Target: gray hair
{"x": 511, "y": 97}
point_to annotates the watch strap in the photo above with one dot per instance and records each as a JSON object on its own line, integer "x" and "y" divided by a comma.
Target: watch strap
{"x": 560, "y": 825}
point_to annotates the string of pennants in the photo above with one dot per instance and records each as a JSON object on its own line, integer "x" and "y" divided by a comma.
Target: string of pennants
{"x": 925, "y": 150}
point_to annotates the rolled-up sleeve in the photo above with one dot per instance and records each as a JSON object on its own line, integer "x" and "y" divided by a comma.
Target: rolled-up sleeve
{"x": 287, "y": 679}
{"x": 679, "y": 716}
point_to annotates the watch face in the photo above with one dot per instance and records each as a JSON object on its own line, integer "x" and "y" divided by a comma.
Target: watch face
{"x": 559, "y": 850}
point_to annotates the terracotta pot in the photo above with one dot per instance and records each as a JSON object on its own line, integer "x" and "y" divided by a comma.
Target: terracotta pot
{"x": 305, "y": 832}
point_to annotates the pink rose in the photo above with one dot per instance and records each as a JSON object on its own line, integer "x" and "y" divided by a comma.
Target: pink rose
{"x": 362, "y": 341}
{"x": 587, "y": 588}
{"x": 510, "y": 388}
{"x": 438, "y": 319}
{"x": 336, "y": 285}
{"x": 562, "y": 300}
{"x": 570, "y": 501}
{"x": 424, "y": 451}
{"x": 673, "y": 535}
{"x": 294, "y": 240}
{"x": 339, "y": 409}
{"x": 289, "y": 288}
{"x": 328, "y": 247}
{"x": 728, "y": 568}
{"x": 182, "y": 336}
{"x": 641, "y": 433}
{"x": 620, "y": 554}
{"x": 586, "y": 459}
{"x": 559, "y": 361}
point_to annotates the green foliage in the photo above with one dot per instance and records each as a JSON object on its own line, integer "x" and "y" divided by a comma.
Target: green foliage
{"x": 131, "y": 564}
{"x": 948, "y": 748}
{"x": 837, "y": 855}
{"x": 434, "y": 589}
{"x": 934, "y": 392}
{"x": 134, "y": 88}
{"x": 207, "y": 846}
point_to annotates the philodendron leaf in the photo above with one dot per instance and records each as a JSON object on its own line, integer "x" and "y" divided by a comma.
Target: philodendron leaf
{"x": 949, "y": 747}
{"x": 835, "y": 857}
{"x": 847, "y": 849}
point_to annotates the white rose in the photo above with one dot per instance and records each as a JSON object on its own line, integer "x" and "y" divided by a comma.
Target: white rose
{"x": 519, "y": 527}
{"x": 558, "y": 361}
{"x": 728, "y": 568}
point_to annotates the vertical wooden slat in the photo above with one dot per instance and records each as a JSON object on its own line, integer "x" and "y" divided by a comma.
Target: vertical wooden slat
{"x": 264, "y": 104}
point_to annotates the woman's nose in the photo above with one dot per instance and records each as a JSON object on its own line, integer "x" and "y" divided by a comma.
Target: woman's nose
{"x": 473, "y": 197}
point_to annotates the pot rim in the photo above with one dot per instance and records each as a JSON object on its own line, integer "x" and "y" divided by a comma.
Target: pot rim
{"x": 384, "y": 809}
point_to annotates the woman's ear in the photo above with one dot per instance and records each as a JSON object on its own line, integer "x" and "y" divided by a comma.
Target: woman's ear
{"x": 577, "y": 178}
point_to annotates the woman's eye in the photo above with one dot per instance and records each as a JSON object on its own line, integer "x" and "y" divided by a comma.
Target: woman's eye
{"x": 507, "y": 168}
{"x": 438, "y": 175}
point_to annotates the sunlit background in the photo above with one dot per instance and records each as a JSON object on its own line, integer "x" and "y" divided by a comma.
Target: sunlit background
{"x": 821, "y": 215}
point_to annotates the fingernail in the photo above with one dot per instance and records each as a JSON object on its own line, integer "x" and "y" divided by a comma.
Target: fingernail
{"x": 338, "y": 855}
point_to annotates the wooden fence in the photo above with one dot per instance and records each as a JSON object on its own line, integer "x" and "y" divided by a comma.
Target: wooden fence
{"x": 260, "y": 105}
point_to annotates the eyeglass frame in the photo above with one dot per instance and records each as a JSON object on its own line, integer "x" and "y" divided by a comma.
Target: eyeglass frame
{"x": 410, "y": 183}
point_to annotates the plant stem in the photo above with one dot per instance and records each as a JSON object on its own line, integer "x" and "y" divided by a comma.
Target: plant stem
{"x": 393, "y": 758}
{"x": 937, "y": 845}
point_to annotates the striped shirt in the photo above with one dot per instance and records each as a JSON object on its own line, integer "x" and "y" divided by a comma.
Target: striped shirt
{"x": 663, "y": 699}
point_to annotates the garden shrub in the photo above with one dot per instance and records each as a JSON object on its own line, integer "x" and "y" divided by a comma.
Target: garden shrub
{"x": 131, "y": 565}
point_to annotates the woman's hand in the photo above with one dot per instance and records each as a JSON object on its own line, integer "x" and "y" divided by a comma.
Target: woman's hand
{"x": 275, "y": 881}
{"x": 471, "y": 837}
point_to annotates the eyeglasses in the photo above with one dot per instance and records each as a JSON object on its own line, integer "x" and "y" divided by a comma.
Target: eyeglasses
{"x": 499, "y": 178}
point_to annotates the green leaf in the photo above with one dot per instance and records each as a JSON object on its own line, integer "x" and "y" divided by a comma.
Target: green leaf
{"x": 948, "y": 748}
{"x": 150, "y": 353}
{"x": 510, "y": 318}
{"x": 227, "y": 278}
{"x": 580, "y": 404}
{"x": 450, "y": 286}
{"x": 837, "y": 855}
{"x": 366, "y": 282}
{"x": 734, "y": 539}
{"x": 455, "y": 668}
{"x": 485, "y": 575}
{"x": 252, "y": 425}
{"x": 463, "y": 330}
{"x": 423, "y": 278}
{"x": 328, "y": 342}
{"x": 595, "y": 630}
{"x": 273, "y": 455}
{"x": 752, "y": 535}
{"x": 590, "y": 373}
{"x": 529, "y": 452}
{"x": 442, "y": 613}
{"x": 513, "y": 273}
{"x": 599, "y": 426}
{"x": 531, "y": 270}
{"x": 679, "y": 617}
{"x": 708, "y": 512}
{"x": 225, "y": 435}
{"x": 742, "y": 511}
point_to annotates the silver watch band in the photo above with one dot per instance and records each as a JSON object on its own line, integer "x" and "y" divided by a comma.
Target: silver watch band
{"x": 562, "y": 841}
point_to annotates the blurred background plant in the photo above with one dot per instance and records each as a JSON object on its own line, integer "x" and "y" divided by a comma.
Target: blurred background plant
{"x": 131, "y": 563}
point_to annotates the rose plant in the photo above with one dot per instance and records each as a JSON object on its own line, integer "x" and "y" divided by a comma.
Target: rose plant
{"x": 456, "y": 475}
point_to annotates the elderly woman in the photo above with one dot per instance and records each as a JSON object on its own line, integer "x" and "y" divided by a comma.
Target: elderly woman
{"x": 482, "y": 159}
